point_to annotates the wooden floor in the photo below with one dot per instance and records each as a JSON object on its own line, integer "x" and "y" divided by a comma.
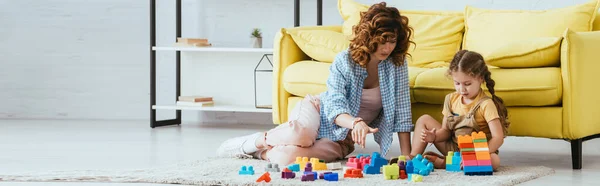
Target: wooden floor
{"x": 43, "y": 145}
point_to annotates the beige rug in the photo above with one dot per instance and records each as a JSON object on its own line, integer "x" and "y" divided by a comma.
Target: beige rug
{"x": 215, "y": 171}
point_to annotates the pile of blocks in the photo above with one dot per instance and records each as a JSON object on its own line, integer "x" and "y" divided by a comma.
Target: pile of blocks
{"x": 475, "y": 154}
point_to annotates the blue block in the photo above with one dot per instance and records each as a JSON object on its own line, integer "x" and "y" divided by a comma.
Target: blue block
{"x": 478, "y": 170}
{"x": 246, "y": 170}
{"x": 409, "y": 176}
{"x": 331, "y": 177}
{"x": 294, "y": 167}
{"x": 409, "y": 167}
{"x": 453, "y": 167}
{"x": 374, "y": 167}
{"x": 456, "y": 159}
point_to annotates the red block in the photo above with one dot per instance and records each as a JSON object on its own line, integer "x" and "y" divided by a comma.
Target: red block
{"x": 353, "y": 173}
{"x": 469, "y": 157}
{"x": 403, "y": 174}
{"x": 466, "y": 145}
{"x": 265, "y": 177}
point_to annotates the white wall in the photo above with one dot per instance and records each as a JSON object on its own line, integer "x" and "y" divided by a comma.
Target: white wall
{"x": 71, "y": 59}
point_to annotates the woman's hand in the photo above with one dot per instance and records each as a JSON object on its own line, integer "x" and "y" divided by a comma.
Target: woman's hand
{"x": 428, "y": 136}
{"x": 360, "y": 131}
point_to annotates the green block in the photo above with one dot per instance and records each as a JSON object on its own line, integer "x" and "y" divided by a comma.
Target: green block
{"x": 479, "y": 140}
{"x": 467, "y": 149}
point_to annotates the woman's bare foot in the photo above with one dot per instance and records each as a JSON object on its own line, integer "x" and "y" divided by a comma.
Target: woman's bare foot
{"x": 439, "y": 161}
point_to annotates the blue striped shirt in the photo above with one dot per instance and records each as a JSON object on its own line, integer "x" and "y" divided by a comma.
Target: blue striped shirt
{"x": 343, "y": 95}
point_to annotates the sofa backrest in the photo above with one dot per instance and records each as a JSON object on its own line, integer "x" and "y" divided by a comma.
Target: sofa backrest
{"x": 597, "y": 22}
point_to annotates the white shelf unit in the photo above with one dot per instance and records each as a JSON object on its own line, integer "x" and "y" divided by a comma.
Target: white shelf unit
{"x": 216, "y": 106}
{"x": 227, "y": 108}
{"x": 213, "y": 49}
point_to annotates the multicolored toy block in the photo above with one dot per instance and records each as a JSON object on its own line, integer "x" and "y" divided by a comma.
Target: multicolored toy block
{"x": 334, "y": 166}
{"x": 374, "y": 166}
{"x": 249, "y": 170}
{"x": 265, "y": 177}
{"x": 353, "y": 173}
{"x": 308, "y": 177}
{"x": 318, "y": 164}
{"x": 294, "y": 167}
{"x": 301, "y": 161}
{"x": 287, "y": 174}
{"x": 475, "y": 154}
{"x": 421, "y": 165}
{"x": 272, "y": 167}
{"x": 358, "y": 163}
{"x": 331, "y": 176}
{"x": 391, "y": 172}
{"x": 453, "y": 162}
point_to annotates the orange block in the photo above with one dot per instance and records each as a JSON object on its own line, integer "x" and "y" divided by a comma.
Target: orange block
{"x": 464, "y": 139}
{"x": 478, "y": 135}
{"x": 483, "y": 155}
{"x": 481, "y": 145}
{"x": 265, "y": 177}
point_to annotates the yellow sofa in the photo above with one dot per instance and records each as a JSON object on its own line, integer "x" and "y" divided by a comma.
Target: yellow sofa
{"x": 544, "y": 72}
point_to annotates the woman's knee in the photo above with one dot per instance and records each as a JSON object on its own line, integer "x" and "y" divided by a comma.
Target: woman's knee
{"x": 283, "y": 155}
{"x": 304, "y": 136}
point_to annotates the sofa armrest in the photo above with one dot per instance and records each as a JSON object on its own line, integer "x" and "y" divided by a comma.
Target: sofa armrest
{"x": 287, "y": 52}
{"x": 580, "y": 68}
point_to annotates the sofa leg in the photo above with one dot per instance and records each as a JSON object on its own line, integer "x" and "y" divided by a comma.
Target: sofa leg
{"x": 576, "y": 153}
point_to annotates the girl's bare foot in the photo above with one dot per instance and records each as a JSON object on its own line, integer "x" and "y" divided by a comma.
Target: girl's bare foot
{"x": 439, "y": 161}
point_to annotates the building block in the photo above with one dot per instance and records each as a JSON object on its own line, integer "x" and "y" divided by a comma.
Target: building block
{"x": 322, "y": 175}
{"x": 318, "y": 164}
{"x": 469, "y": 157}
{"x": 287, "y": 174}
{"x": 331, "y": 177}
{"x": 483, "y": 155}
{"x": 334, "y": 166}
{"x": 470, "y": 163}
{"x": 480, "y": 141}
{"x": 308, "y": 167}
{"x": 358, "y": 163}
{"x": 249, "y": 170}
{"x": 453, "y": 161}
{"x": 374, "y": 166}
{"x": 409, "y": 167}
{"x": 265, "y": 177}
{"x": 294, "y": 167}
{"x": 466, "y": 145}
{"x": 301, "y": 161}
{"x": 484, "y": 162}
{"x": 272, "y": 167}
{"x": 478, "y": 135}
{"x": 421, "y": 165}
{"x": 403, "y": 174}
{"x": 308, "y": 177}
{"x": 402, "y": 165}
{"x": 353, "y": 173}
{"x": 464, "y": 139}
{"x": 480, "y": 145}
{"x": 416, "y": 178}
{"x": 362, "y": 155}
{"x": 391, "y": 172}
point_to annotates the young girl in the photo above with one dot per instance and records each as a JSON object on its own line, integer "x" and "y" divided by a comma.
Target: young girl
{"x": 367, "y": 93}
{"x": 466, "y": 110}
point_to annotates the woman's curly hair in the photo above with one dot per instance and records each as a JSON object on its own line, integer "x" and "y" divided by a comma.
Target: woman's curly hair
{"x": 378, "y": 25}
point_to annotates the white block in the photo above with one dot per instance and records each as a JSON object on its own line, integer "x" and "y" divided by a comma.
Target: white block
{"x": 482, "y": 149}
{"x": 334, "y": 166}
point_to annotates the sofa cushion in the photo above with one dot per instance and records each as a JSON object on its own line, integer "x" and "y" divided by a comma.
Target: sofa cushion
{"x": 437, "y": 34}
{"x": 321, "y": 45}
{"x": 310, "y": 77}
{"x": 597, "y": 22}
{"x": 517, "y": 87}
{"x": 306, "y": 77}
{"x": 535, "y": 52}
{"x": 485, "y": 29}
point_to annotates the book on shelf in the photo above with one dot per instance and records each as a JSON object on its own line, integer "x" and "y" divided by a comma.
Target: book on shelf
{"x": 194, "y": 98}
{"x": 192, "y": 42}
{"x": 195, "y": 104}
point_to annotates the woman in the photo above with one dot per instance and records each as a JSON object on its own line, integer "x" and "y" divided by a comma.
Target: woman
{"x": 367, "y": 92}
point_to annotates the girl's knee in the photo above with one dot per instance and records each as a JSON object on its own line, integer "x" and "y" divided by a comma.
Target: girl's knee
{"x": 423, "y": 119}
{"x": 495, "y": 161}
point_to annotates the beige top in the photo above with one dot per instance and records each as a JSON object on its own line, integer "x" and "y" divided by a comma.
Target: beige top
{"x": 370, "y": 104}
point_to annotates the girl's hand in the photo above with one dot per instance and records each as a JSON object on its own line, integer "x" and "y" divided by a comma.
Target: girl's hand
{"x": 360, "y": 131}
{"x": 428, "y": 136}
